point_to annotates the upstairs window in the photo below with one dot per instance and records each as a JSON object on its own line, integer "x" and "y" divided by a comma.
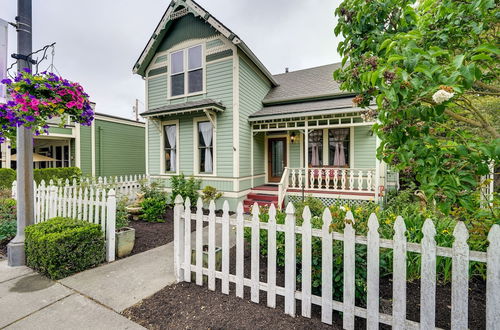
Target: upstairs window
{"x": 186, "y": 71}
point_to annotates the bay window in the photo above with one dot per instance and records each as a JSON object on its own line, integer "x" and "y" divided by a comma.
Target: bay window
{"x": 205, "y": 147}
{"x": 186, "y": 71}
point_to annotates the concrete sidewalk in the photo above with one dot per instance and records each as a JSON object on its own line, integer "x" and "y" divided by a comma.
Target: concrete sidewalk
{"x": 31, "y": 301}
{"x": 91, "y": 299}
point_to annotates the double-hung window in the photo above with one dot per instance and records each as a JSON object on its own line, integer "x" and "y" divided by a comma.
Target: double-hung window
{"x": 170, "y": 146}
{"x": 186, "y": 71}
{"x": 329, "y": 147}
{"x": 205, "y": 147}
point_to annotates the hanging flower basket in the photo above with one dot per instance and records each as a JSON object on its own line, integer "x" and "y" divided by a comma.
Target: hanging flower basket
{"x": 35, "y": 98}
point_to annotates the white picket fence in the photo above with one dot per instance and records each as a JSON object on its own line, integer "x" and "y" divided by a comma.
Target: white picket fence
{"x": 125, "y": 186}
{"x": 460, "y": 254}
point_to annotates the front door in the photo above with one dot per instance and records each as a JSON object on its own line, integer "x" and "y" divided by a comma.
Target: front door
{"x": 276, "y": 158}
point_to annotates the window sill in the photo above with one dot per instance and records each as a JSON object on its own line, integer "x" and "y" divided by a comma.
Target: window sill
{"x": 185, "y": 95}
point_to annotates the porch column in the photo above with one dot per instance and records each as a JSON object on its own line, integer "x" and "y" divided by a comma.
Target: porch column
{"x": 306, "y": 154}
{"x": 251, "y": 157}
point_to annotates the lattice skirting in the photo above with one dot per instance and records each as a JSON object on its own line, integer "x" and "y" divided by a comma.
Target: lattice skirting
{"x": 331, "y": 201}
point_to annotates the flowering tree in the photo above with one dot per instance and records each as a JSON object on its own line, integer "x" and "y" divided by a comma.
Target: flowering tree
{"x": 423, "y": 69}
{"x": 34, "y": 98}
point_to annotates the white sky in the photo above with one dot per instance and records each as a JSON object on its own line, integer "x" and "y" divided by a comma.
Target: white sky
{"x": 98, "y": 41}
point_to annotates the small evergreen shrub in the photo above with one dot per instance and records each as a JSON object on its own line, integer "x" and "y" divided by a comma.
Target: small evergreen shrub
{"x": 185, "y": 187}
{"x": 210, "y": 193}
{"x": 60, "y": 247}
{"x": 8, "y": 221}
{"x": 55, "y": 174}
{"x": 7, "y": 176}
{"x": 121, "y": 214}
{"x": 154, "y": 208}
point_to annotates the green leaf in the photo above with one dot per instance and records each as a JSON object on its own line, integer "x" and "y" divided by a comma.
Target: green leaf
{"x": 394, "y": 58}
{"x": 458, "y": 60}
{"x": 384, "y": 44}
{"x": 374, "y": 77}
{"x": 481, "y": 57}
{"x": 488, "y": 48}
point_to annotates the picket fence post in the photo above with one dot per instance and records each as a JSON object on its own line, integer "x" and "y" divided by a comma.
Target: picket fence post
{"x": 110, "y": 225}
{"x": 255, "y": 254}
{"x": 460, "y": 278}
{"x": 271, "y": 258}
{"x": 187, "y": 241}
{"x": 326, "y": 268}
{"x": 373, "y": 268}
{"x": 306, "y": 262}
{"x": 14, "y": 189}
{"x": 290, "y": 260}
{"x": 239, "y": 250}
{"x": 428, "y": 277}
{"x": 199, "y": 242}
{"x": 178, "y": 237}
{"x": 493, "y": 279}
{"x": 349, "y": 272}
{"x": 211, "y": 246}
{"x": 399, "y": 275}
{"x": 225, "y": 247}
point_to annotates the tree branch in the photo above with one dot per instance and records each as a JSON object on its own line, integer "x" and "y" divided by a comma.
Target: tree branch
{"x": 488, "y": 87}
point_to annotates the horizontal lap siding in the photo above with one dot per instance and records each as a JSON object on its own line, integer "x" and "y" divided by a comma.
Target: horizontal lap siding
{"x": 253, "y": 88}
{"x": 119, "y": 148}
{"x": 85, "y": 150}
{"x": 60, "y": 130}
{"x": 364, "y": 148}
{"x": 154, "y": 147}
{"x": 220, "y": 88}
{"x": 295, "y": 153}
{"x": 157, "y": 92}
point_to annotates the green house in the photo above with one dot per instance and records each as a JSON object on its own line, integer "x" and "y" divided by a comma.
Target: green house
{"x": 111, "y": 146}
{"x": 215, "y": 112}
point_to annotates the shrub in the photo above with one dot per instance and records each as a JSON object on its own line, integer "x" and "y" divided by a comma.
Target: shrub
{"x": 60, "y": 247}
{"x": 56, "y": 174}
{"x": 154, "y": 208}
{"x": 7, "y": 177}
{"x": 152, "y": 190}
{"x": 185, "y": 187}
{"x": 121, "y": 213}
{"x": 210, "y": 193}
{"x": 8, "y": 221}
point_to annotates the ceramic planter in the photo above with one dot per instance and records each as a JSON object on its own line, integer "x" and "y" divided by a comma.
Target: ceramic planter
{"x": 125, "y": 239}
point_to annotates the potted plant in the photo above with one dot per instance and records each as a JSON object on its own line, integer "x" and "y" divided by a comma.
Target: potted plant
{"x": 125, "y": 236}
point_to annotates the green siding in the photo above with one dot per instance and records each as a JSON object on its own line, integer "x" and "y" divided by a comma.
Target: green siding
{"x": 295, "y": 151}
{"x": 219, "y": 87}
{"x": 214, "y": 43}
{"x": 186, "y": 28}
{"x": 119, "y": 149}
{"x": 157, "y": 71}
{"x": 258, "y": 154}
{"x": 60, "y": 130}
{"x": 252, "y": 87}
{"x": 85, "y": 150}
{"x": 364, "y": 148}
{"x": 157, "y": 92}
{"x": 219, "y": 55}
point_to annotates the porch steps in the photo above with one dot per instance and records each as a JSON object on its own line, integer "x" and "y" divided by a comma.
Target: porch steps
{"x": 261, "y": 199}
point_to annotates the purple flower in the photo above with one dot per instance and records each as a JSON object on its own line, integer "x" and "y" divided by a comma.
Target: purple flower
{"x": 27, "y": 70}
{"x": 6, "y": 81}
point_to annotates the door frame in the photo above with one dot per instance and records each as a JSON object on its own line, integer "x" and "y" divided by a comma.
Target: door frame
{"x": 268, "y": 157}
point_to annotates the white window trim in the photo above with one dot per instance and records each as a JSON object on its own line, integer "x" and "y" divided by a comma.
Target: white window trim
{"x": 177, "y": 146}
{"x": 326, "y": 158}
{"x": 196, "y": 158}
{"x": 185, "y": 51}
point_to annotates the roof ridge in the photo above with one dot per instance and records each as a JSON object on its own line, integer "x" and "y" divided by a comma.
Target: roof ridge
{"x": 314, "y": 67}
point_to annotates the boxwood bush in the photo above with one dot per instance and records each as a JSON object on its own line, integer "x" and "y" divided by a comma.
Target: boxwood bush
{"x": 8, "y": 175}
{"x": 60, "y": 247}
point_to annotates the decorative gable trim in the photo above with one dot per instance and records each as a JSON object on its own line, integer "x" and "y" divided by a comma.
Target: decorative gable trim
{"x": 192, "y": 7}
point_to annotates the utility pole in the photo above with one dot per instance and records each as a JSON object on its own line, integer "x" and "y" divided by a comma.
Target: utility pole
{"x": 24, "y": 146}
{"x": 136, "y": 109}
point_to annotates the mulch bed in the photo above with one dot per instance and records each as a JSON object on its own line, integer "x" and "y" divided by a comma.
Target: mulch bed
{"x": 3, "y": 249}
{"x": 186, "y": 305}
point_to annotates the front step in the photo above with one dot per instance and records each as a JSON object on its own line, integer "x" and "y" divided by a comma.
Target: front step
{"x": 260, "y": 199}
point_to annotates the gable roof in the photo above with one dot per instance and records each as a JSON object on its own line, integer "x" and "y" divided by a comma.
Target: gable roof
{"x": 312, "y": 83}
{"x": 191, "y": 6}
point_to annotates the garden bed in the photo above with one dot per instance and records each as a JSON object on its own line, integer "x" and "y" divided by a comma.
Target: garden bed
{"x": 3, "y": 249}
{"x": 202, "y": 308}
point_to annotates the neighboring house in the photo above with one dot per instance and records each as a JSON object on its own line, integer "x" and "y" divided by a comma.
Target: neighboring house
{"x": 215, "y": 112}
{"x": 110, "y": 146}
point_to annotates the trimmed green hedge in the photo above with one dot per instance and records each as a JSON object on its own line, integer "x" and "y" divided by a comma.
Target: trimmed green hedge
{"x": 8, "y": 175}
{"x": 62, "y": 173}
{"x": 60, "y": 247}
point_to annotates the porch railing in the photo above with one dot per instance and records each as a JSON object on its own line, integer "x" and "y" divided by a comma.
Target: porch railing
{"x": 332, "y": 179}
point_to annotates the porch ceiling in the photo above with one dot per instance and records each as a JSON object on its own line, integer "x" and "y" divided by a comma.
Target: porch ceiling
{"x": 174, "y": 109}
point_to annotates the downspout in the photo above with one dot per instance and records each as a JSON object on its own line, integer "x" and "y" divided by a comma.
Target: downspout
{"x": 100, "y": 150}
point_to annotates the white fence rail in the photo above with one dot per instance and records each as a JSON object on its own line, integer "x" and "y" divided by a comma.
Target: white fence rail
{"x": 459, "y": 253}
{"x": 125, "y": 186}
